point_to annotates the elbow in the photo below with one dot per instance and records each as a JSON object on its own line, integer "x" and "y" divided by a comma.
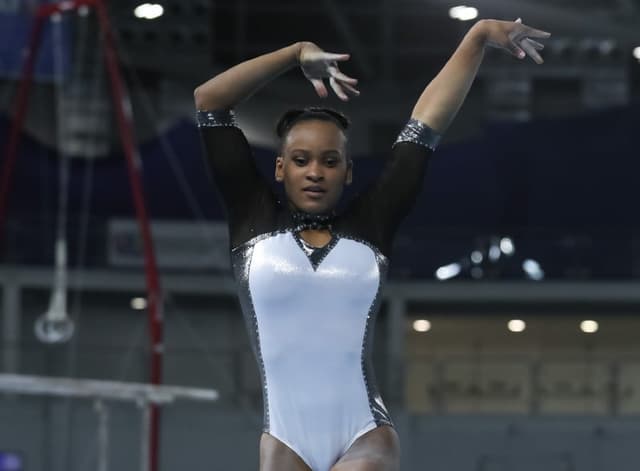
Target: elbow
{"x": 204, "y": 100}
{"x": 199, "y": 99}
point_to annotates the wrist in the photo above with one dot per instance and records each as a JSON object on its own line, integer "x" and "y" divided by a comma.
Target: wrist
{"x": 479, "y": 33}
{"x": 298, "y": 47}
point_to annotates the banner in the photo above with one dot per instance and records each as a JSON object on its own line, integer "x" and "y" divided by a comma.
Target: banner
{"x": 178, "y": 244}
{"x": 16, "y": 23}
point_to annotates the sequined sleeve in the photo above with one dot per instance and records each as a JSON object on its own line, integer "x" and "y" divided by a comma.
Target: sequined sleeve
{"x": 245, "y": 193}
{"x": 379, "y": 210}
{"x": 212, "y": 119}
{"x": 419, "y": 133}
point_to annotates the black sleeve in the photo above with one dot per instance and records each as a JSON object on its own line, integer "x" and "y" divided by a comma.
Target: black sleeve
{"x": 380, "y": 209}
{"x": 245, "y": 193}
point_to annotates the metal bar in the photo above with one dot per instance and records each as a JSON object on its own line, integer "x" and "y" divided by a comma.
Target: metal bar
{"x": 102, "y": 411}
{"x": 623, "y": 293}
{"x": 146, "y": 423}
{"x": 10, "y": 327}
{"x": 98, "y": 389}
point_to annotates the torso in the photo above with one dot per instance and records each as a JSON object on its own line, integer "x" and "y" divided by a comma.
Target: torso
{"x": 310, "y": 315}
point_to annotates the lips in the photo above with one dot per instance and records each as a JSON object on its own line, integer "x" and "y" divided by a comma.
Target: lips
{"x": 314, "y": 191}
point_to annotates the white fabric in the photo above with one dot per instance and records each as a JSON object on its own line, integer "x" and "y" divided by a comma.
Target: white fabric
{"x": 311, "y": 326}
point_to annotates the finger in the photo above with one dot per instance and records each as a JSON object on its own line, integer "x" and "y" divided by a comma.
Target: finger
{"x": 531, "y": 51}
{"x": 321, "y": 90}
{"x": 341, "y": 77}
{"x": 536, "y": 33}
{"x": 349, "y": 88}
{"x": 514, "y": 49}
{"x": 535, "y": 44}
{"x": 330, "y": 56}
{"x": 338, "y": 89}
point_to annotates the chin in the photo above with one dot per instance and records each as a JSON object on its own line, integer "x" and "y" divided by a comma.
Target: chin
{"x": 313, "y": 207}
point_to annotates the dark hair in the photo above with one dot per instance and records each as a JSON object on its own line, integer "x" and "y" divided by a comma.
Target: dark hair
{"x": 294, "y": 116}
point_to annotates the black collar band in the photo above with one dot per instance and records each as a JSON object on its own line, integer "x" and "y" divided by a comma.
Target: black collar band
{"x": 303, "y": 221}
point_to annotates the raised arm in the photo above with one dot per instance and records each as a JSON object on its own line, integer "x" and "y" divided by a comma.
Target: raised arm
{"x": 238, "y": 83}
{"x": 388, "y": 201}
{"x": 443, "y": 97}
{"x": 246, "y": 195}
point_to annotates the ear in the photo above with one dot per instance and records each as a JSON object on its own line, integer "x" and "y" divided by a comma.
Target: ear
{"x": 349, "y": 178}
{"x": 279, "y": 173}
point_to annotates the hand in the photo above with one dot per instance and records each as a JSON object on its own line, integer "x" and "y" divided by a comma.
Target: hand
{"x": 514, "y": 37}
{"x": 317, "y": 65}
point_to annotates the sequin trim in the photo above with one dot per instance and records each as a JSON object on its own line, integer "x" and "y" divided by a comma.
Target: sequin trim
{"x": 215, "y": 118}
{"x": 378, "y": 410}
{"x": 337, "y": 235}
{"x": 419, "y": 133}
{"x": 303, "y": 221}
{"x": 316, "y": 254}
{"x": 377, "y": 407}
{"x": 242, "y": 267}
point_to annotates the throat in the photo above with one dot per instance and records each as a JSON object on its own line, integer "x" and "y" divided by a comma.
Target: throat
{"x": 303, "y": 221}
{"x": 315, "y": 238}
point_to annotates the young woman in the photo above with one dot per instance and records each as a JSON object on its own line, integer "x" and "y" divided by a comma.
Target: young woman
{"x": 310, "y": 279}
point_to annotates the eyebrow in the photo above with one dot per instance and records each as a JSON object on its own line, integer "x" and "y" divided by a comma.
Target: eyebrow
{"x": 305, "y": 151}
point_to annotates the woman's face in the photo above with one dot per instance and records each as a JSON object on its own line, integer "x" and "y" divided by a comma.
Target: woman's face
{"x": 313, "y": 166}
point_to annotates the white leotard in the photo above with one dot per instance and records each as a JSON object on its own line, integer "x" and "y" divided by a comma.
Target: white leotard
{"x": 310, "y": 311}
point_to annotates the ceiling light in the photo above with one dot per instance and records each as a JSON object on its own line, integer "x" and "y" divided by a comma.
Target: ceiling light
{"x": 476, "y": 256}
{"x": 448, "y": 271}
{"x": 148, "y": 11}
{"x": 506, "y": 246}
{"x": 494, "y": 252}
{"x": 138, "y": 304}
{"x": 421, "y": 325}
{"x": 532, "y": 270}
{"x": 463, "y": 13}
{"x": 589, "y": 326}
{"x": 517, "y": 325}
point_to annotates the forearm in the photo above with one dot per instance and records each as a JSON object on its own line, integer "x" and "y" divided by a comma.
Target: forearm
{"x": 443, "y": 97}
{"x": 238, "y": 83}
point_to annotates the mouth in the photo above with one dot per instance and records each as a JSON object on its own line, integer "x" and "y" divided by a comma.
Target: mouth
{"x": 314, "y": 191}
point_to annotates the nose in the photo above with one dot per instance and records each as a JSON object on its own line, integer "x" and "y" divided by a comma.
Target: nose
{"x": 314, "y": 172}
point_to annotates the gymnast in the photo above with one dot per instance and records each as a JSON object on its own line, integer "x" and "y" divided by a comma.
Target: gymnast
{"x": 310, "y": 277}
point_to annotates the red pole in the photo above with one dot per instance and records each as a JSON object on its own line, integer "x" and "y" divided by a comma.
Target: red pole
{"x": 124, "y": 118}
{"x": 20, "y": 113}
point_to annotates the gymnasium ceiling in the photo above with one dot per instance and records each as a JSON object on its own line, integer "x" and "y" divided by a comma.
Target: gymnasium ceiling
{"x": 390, "y": 40}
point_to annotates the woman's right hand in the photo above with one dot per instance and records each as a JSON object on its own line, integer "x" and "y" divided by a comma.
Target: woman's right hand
{"x": 317, "y": 65}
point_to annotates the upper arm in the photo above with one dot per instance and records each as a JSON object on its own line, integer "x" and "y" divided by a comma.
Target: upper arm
{"x": 389, "y": 199}
{"x": 395, "y": 191}
{"x": 244, "y": 191}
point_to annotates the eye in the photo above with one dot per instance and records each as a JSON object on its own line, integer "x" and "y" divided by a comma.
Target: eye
{"x": 331, "y": 162}
{"x": 299, "y": 160}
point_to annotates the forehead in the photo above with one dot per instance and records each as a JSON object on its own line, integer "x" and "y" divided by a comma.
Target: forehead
{"x": 315, "y": 133}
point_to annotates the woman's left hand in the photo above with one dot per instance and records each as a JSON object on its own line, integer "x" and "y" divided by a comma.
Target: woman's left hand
{"x": 514, "y": 37}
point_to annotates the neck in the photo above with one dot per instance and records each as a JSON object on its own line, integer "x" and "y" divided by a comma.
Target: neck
{"x": 304, "y": 221}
